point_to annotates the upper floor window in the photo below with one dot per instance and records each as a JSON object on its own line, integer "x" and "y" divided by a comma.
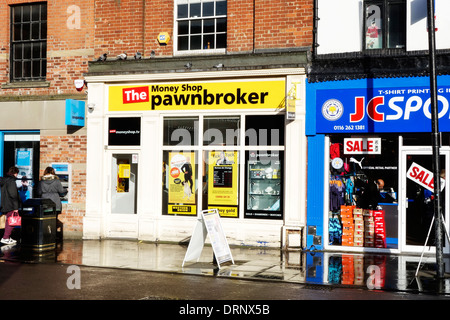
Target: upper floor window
{"x": 385, "y": 24}
{"x": 28, "y": 42}
{"x": 201, "y": 24}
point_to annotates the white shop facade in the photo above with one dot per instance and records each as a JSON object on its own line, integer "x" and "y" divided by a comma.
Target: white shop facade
{"x": 164, "y": 147}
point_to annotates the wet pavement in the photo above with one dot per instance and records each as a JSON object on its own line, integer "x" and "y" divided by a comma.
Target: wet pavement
{"x": 345, "y": 270}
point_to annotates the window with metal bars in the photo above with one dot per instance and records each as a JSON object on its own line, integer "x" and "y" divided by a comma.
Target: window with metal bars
{"x": 201, "y": 24}
{"x": 28, "y": 42}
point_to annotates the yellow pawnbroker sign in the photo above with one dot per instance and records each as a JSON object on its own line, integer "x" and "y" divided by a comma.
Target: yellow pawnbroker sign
{"x": 202, "y": 95}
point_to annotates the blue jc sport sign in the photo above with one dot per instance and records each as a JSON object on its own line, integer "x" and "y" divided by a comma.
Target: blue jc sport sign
{"x": 381, "y": 109}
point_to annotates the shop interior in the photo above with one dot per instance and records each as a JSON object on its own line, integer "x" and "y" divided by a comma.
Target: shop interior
{"x": 363, "y": 191}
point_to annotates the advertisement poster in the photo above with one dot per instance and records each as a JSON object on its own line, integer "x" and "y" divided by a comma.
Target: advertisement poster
{"x": 223, "y": 182}
{"x": 124, "y": 171}
{"x": 24, "y": 162}
{"x": 182, "y": 183}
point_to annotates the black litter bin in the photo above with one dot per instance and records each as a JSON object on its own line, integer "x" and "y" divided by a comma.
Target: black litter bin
{"x": 39, "y": 225}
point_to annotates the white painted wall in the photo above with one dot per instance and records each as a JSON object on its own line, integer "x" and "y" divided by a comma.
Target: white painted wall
{"x": 340, "y": 27}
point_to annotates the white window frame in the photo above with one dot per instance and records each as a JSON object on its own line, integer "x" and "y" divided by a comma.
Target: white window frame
{"x": 240, "y": 147}
{"x": 178, "y": 52}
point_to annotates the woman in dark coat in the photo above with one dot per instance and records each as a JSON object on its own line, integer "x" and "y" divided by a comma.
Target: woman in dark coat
{"x": 50, "y": 187}
{"x": 10, "y": 201}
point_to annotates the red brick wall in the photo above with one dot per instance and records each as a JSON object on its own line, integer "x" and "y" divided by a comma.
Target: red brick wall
{"x": 270, "y": 25}
{"x": 71, "y": 149}
{"x": 240, "y": 25}
{"x": 283, "y": 24}
{"x": 118, "y": 27}
{"x": 68, "y": 50}
{"x": 277, "y": 24}
{"x": 159, "y": 18}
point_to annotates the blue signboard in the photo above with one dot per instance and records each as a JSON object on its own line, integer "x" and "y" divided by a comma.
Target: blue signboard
{"x": 380, "y": 109}
{"x": 75, "y": 113}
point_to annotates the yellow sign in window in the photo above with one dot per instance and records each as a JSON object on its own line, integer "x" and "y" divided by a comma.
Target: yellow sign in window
{"x": 124, "y": 171}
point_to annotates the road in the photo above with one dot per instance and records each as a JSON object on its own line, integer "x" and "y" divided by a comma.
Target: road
{"x": 175, "y": 293}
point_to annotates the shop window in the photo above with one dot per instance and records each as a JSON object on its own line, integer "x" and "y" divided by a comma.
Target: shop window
{"x": 201, "y": 25}
{"x": 221, "y": 131}
{"x": 28, "y": 42}
{"x": 424, "y": 139}
{"x": 264, "y": 130}
{"x": 221, "y": 182}
{"x": 384, "y": 24}
{"x": 207, "y": 175}
{"x": 264, "y": 184}
{"x": 181, "y": 131}
{"x": 180, "y": 183}
{"x": 363, "y": 186}
{"x": 23, "y": 151}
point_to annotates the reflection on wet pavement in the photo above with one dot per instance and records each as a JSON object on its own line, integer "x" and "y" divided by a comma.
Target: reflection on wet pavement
{"x": 369, "y": 271}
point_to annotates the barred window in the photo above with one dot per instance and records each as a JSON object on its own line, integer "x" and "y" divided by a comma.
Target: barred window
{"x": 201, "y": 24}
{"x": 28, "y": 42}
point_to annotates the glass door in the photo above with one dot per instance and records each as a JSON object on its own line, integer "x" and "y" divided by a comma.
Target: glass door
{"x": 417, "y": 198}
{"x": 124, "y": 176}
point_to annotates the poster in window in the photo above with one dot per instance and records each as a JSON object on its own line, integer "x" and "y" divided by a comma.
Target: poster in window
{"x": 373, "y": 27}
{"x": 181, "y": 183}
{"x": 223, "y": 182}
{"x": 123, "y": 177}
{"x": 24, "y": 162}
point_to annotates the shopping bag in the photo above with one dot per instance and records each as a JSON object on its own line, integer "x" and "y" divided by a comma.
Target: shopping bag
{"x": 2, "y": 221}
{"x": 15, "y": 220}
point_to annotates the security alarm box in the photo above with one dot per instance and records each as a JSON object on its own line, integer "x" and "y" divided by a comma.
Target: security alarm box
{"x": 64, "y": 172}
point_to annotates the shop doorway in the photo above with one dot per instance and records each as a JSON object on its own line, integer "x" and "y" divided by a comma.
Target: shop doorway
{"x": 416, "y": 194}
{"x": 123, "y": 195}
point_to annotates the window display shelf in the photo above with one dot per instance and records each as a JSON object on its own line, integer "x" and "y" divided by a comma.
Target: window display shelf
{"x": 264, "y": 184}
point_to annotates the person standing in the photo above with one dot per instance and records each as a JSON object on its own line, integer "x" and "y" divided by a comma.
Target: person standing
{"x": 10, "y": 201}
{"x": 50, "y": 187}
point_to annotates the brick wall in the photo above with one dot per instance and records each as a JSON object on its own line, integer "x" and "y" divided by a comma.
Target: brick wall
{"x": 122, "y": 26}
{"x": 159, "y": 18}
{"x": 118, "y": 27}
{"x": 270, "y": 25}
{"x": 70, "y": 39}
{"x": 283, "y": 24}
{"x": 71, "y": 149}
{"x": 70, "y": 45}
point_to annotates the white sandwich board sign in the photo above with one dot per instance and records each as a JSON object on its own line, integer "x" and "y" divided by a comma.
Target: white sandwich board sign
{"x": 209, "y": 223}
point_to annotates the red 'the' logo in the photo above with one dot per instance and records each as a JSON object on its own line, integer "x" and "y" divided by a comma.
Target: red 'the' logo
{"x": 137, "y": 94}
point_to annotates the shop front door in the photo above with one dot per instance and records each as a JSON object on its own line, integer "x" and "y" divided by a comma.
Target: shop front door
{"x": 123, "y": 195}
{"x": 416, "y": 199}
